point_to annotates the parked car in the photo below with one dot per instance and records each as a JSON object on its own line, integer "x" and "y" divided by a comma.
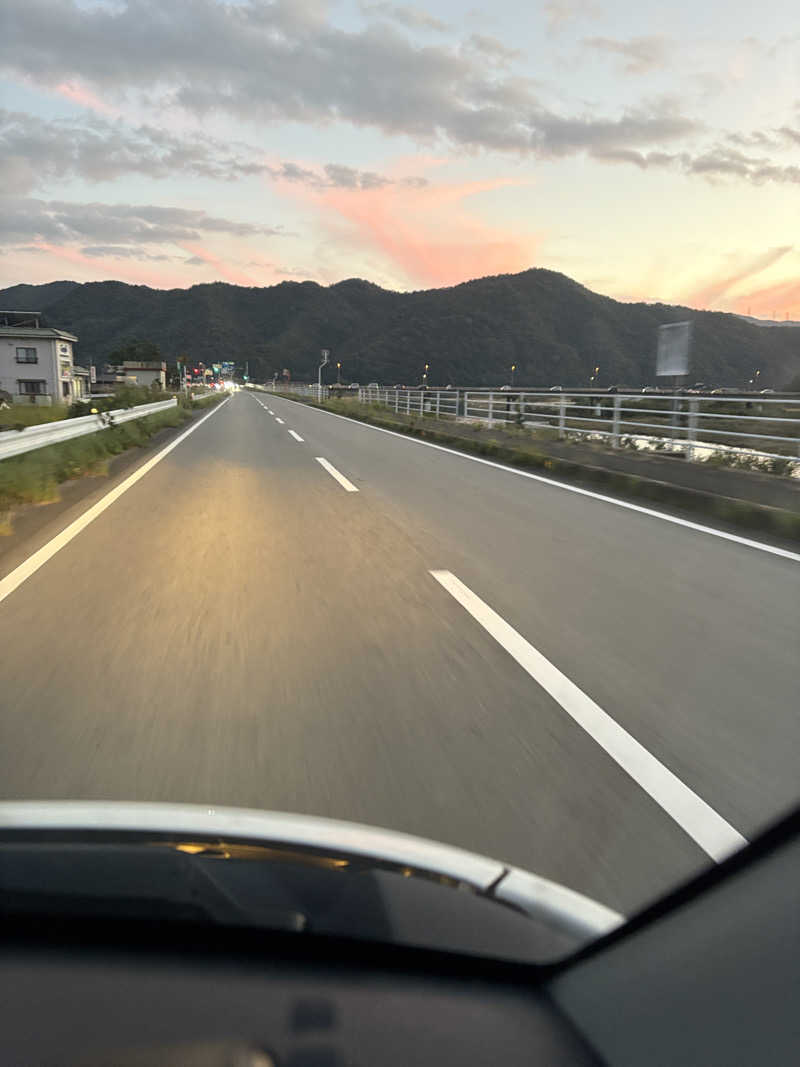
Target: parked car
{"x": 556, "y": 389}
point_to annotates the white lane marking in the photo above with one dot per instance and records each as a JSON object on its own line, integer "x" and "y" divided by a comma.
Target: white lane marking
{"x": 32, "y": 564}
{"x": 771, "y": 549}
{"x": 279, "y": 420}
{"x": 296, "y": 436}
{"x": 264, "y": 406}
{"x": 707, "y": 828}
{"x": 340, "y": 478}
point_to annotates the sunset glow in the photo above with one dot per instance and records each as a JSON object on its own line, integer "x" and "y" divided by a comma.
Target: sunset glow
{"x": 648, "y": 162}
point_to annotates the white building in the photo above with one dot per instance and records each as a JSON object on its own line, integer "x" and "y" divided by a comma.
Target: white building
{"x": 36, "y": 362}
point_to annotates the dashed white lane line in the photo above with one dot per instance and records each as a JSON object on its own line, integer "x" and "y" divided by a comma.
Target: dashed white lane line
{"x": 296, "y": 436}
{"x": 279, "y": 420}
{"x": 704, "y": 825}
{"x": 271, "y": 412}
{"x": 32, "y": 564}
{"x": 761, "y": 546}
{"x": 340, "y": 478}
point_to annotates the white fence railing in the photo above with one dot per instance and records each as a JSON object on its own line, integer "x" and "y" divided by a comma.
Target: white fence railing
{"x": 756, "y": 425}
{"x": 15, "y": 442}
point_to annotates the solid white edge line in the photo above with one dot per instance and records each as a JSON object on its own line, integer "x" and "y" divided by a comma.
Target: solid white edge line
{"x": 279, "y": 420}
{"x": 340, "y": 478}
{"x": 704, "y": 825}
{"x": 15, "y": 578}
{"x": 296, "y": 435}
{"x": 771, "y": 549}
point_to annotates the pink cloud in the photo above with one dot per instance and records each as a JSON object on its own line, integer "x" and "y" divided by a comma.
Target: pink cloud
{"x": 111, "y": 267}
{"x": 427, "y": 232}
{"x": 780, "y": 299}
{"x": 715, "y": 291}
{"x": 80, "y": 95}
{"x": 230, "y": 274}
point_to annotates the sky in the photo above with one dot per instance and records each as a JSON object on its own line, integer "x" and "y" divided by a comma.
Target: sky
{"x": 651, "y": 152}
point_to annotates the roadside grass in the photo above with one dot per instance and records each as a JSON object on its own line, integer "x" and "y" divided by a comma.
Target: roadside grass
{"x": 20, "y": 416}
{"x": 34, "y": 477}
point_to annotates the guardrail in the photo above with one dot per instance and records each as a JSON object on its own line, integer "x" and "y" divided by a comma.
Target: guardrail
{"x": 15, "y": 442}
{"x": 758, "y": 426}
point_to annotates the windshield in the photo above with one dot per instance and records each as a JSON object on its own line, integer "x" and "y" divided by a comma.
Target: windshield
{"x": 400, "y": 421}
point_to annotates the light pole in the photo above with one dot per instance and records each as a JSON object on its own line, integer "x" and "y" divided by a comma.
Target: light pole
{"x": 325, "y": 353}
{"x": 513, "y": 370}
{"x": 425, "y": 375}
{"x": 338, "y": 374}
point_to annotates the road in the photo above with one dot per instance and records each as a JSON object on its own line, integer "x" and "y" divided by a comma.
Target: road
{"x": 237, "y": 627}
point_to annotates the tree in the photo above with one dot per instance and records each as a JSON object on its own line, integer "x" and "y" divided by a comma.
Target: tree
{"x": 136, "y": 352}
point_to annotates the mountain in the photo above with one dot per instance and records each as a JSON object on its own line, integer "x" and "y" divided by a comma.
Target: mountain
{"x": 552, "y": 328}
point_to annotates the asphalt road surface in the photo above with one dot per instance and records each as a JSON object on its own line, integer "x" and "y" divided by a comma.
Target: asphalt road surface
{"x": 581, "y": 689}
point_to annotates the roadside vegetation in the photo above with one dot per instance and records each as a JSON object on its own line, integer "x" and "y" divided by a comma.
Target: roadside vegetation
{"x": 34, "y": 477}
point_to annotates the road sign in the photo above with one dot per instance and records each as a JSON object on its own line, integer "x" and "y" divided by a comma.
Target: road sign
{"x": 93, "y": 374}
{"x": 672, "y": 357}
{"x": 325, "y": 353}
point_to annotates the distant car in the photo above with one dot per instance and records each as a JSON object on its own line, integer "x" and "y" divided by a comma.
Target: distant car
{"x": 505, "y": 388}
{"x": 649, "y": 389}
{"x": 373, "y": 385}
{"x": 354, "y": 385}
{"x": 556, "y": 389}
{"x": 765, "y": 391}
{"x": 613, "y": 389}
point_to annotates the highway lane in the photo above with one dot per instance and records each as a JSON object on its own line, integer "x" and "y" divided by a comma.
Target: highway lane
{"x": 691, "y": 641}
{"x": 238, "y": 628}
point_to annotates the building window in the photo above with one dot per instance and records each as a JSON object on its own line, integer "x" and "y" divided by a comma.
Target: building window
{"x": 27, "y": 355}
{"x": 31, "y": 388}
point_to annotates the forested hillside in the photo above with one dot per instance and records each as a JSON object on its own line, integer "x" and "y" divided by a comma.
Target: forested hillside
{"x": 552, "y": 328}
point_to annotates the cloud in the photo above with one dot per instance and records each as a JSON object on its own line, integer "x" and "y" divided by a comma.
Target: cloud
{"x": 35, "y": 151}
{"x": 716, "y": 163}
{"x": 285, "y": 62}
{"x": 224, "y": 270}
{"x": 493, "y": 49}
{"x": 561, "y": 12}
{"x": 710, "y": 292}
{"x": 775, "y": 300}
{"x": 726, "y": 163}
{"x": 640, "y": 55}
{"x": 122, "y": 251}
{"x": 427, "y": 233}
{"x": 410, "y": 17}
{"x": 131, "y": 225}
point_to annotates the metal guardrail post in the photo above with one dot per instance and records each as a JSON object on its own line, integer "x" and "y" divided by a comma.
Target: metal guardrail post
{"x": 615, "y": 423}
{"x": 691, "y": 432}
{"x": 562, "y": 415}
{"x": 408, "y": 403}
{"x": 421, "y": 400}
{"x": 491, "y": 409}
{"x": 397, "y": 400}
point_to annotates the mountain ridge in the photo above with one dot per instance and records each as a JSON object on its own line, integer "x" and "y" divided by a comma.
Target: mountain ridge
{"x": 553, "y": 329}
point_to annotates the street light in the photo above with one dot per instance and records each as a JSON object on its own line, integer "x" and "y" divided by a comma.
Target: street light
{"x": 425, "y": 375}
{"x": 325, "y": 353}
{"x": 513, "y": 369}
{"x": 338, "y": 374}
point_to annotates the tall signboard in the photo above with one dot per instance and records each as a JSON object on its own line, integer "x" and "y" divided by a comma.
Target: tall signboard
{"x": 672, "y": 355}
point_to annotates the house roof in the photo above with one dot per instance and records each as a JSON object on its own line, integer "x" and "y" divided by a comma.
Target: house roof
{"x": 33, "y": 332}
